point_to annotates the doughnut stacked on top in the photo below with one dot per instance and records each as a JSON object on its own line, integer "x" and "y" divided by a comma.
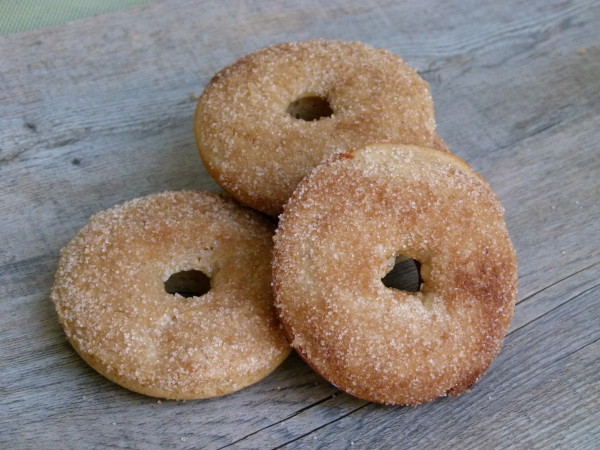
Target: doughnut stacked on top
{"x": 340, "y": 136}
{"x": 339, "y": 236}
{"x": 264, "y": 122}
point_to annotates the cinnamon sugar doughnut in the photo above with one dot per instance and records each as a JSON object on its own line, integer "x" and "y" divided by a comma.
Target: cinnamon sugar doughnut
{"x": 112, "y": 301}
{"x": 264, "y": 122}
{"x": 339, "y": 236}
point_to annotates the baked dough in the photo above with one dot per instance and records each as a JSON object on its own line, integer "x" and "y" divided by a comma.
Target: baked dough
{"x": 340, "y": 234}
{"x": 247, "y": 127}
{"x": 112, "y": 302}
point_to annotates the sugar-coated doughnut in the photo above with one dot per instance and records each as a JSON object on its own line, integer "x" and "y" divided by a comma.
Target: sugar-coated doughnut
{"x": 338, "y": 237}
{"x": 112, "y": 301}
{"x": 264, "y": 122}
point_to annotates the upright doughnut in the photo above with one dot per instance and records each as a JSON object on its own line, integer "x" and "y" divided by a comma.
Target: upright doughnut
{"x": 264, "y": 122}
{"x": 129, "y": 295}
{"x": 338, "y": 237}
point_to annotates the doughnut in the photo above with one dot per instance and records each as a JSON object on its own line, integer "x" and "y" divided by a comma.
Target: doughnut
{"x": 342, "y": 231}
{"x": 169, "y": 295}
{"x": 264, "y": 122}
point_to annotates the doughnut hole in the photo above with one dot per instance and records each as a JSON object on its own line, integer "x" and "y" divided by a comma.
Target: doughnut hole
{"x": 310, "y": 108}
{"x": 405, "y": 275}
{"x": 188, "y": 283}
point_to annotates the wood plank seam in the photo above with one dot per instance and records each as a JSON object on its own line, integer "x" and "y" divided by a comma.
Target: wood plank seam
{"x": 300, "y": 411}
{"x": 558, "y": 292}
{"x": 569, "y": 354}
{"x": 551, "y": 285}
{"x": 324, "y": 425}
{"x": 537, "y": 132}
{"x": 555, "y": 308}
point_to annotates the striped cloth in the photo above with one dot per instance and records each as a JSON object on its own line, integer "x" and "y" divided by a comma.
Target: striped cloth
{"x": 23, "y": 15}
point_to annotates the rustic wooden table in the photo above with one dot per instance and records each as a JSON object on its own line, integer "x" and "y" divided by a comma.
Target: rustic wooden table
{"x": 100, "y": 111}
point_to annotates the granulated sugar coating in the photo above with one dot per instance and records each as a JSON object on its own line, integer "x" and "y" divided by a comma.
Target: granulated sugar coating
{"x": 110, "y": 296}
{"x": 255, "y": 146}
{"x": 339, "y": 236}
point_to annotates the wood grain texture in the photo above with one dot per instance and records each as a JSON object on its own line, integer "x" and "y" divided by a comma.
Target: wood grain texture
{"x": 100, "y": 111}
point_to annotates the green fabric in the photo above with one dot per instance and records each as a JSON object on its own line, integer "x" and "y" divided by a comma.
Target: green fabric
{"x": 23, "y": 15}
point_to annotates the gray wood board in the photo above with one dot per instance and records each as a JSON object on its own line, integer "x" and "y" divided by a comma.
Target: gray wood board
{"x": 100, "y": 111}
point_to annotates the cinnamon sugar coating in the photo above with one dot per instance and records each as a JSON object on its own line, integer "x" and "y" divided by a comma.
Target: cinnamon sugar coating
{"x": 259, "y": 152}
{"x": 111, "y": 300}
{"x": 338, "y": 237}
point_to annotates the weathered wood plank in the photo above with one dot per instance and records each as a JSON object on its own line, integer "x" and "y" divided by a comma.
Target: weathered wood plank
{"x": 99, "y": 111}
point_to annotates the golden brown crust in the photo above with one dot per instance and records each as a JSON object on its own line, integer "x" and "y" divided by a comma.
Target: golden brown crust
{"x": 110, "y": 296}
{"x": 338, "y": 237}
{"x": 258, "y": 152}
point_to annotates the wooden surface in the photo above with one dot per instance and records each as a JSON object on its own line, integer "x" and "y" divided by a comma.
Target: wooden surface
{"x": 100, "y": 111}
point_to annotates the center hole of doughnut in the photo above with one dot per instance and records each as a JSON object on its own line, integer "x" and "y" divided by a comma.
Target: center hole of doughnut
{"x": 309, "y": 108}
{"x": 405, "y": 275}
{"x": 188, "y": 283}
